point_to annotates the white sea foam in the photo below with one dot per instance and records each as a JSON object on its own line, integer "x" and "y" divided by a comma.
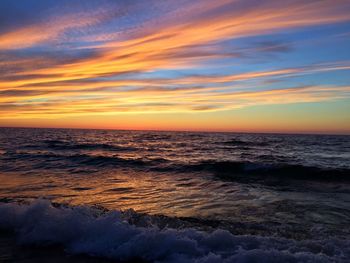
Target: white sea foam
{"x": 106, "y": 234}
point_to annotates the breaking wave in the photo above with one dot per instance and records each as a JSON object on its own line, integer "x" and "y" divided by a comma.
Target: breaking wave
{"x": 109, "y": 234}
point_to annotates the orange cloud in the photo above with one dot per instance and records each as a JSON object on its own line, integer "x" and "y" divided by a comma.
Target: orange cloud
{"x": 170, "y": 101}
{"x": 70, "y": 88}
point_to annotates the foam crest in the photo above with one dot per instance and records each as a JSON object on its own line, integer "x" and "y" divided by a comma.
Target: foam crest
{"x": 96, "y": 232}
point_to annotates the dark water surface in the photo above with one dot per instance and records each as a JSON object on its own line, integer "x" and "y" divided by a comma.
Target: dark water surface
{"x": 294, "y": 187}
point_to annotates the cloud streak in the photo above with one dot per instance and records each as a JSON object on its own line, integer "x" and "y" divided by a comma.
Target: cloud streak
{"x": 94, "y": 62}
{"x": 140, "y": 101}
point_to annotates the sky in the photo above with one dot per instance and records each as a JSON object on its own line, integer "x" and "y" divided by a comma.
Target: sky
{"x": 223, "y": 65}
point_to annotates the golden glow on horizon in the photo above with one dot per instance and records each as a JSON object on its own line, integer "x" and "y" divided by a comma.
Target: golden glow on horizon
{"x": 272, "y": 119}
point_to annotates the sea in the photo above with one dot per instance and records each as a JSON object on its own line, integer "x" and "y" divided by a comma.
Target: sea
{"x": 158, "y": 196}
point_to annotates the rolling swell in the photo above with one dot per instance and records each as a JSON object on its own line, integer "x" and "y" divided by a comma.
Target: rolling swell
{"x": 228, "y": 170}
{"x": 62, "y": 145}
{"x": 277, "y": 170}
{"x": 101, "y": 161}
{"x": 50, "y": 160}
{"x": 236, "y": 142}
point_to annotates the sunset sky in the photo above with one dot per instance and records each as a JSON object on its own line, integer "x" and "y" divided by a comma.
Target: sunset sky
{"x": 223, "y": 65}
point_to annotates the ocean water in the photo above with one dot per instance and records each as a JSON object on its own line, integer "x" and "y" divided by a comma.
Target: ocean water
{"x": 178, "y": 196}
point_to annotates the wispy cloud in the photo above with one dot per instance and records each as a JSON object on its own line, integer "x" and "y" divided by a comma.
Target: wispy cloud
{"x": 156, "y": 100}
{"x": 92, "y": 62}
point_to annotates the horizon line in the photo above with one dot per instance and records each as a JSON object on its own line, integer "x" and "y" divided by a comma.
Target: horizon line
{"x": 189, "y": 131}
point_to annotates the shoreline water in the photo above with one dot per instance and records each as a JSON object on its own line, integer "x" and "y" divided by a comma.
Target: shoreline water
{"x": 12, "y": 252}
{"x": 114, "y": 235}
